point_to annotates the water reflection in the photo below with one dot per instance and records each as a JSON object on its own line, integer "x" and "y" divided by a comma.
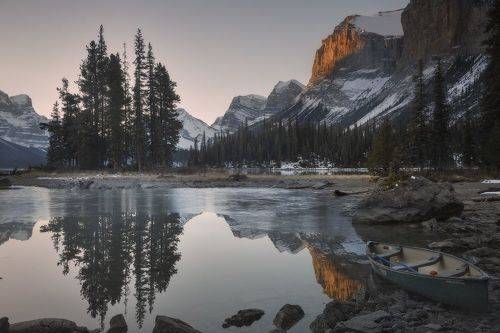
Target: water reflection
{"x": 110, "y": 251}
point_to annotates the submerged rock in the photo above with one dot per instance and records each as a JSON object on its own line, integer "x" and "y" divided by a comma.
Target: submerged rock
{"x": 243, "y": 318}
{"x": 373, "y": 322}
{"x": 117, "y": 324}
{"x": 288, "y": 316}
{"x": 415, "y": 200}
{"x": 5, "y": 183}
{"x": 334, "y": 312}
{"x": 164, "y": 324}
{"x": 45, "y": 325}
{"x": 4, "y": 325}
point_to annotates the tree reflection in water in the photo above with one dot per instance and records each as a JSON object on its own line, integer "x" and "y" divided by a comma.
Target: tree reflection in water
{"x": 111, "y": 250}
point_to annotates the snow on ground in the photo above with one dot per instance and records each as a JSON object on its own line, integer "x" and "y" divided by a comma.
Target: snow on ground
{"x": 490, "y": 193}
{"x": 491, "y": 181}
{"x": 383, "y": 23}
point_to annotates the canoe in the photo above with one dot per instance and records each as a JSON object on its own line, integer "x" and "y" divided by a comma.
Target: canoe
{"x": 436, "y": 275}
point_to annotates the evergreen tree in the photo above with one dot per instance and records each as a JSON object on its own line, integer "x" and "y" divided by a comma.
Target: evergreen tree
{"x": 128, "y": 130}
{"x": 152, "y": 107}
{"x": 89, "y": 118}
{"x": 55, "y": 152}
{"x": 69, "y": 127}
{"x": 417, "y": 132}
{"x": 140, "y": 77}
{"x": 169, "y": 124}
{"x": 116, "y": 82}
{"x": 102, "y": 93}
{"x": 469, "y": 157}
{"x": 490, "y": 103}
{"x": 382, "y": 154}
{"x": 441, "y": 153}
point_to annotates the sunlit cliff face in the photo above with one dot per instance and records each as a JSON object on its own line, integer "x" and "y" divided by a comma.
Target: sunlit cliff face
{"x": 344, "y": 42}
{"x": 335, "y": 283}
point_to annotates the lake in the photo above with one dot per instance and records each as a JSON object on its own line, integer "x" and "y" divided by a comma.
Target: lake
{"x": 196, "y": 254}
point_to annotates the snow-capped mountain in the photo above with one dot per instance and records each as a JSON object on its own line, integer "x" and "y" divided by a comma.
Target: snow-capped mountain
{"x": 19, "y": 123}
{"x": 255, "y": 108}
{"x": 192, "y": 128}
{"x": 241, "y": 109}
{"x": 364, "y": 70}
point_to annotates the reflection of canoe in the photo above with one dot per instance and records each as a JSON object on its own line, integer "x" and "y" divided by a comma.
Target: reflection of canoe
{"x": 439, "y": 276}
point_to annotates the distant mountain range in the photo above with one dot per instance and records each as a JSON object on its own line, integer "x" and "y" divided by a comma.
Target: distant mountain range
{"x": 254, "y": 108}
{"x": 364, "y": 69}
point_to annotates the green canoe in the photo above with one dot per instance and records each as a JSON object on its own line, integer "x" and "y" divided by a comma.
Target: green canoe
{"x": 436, "y": 275}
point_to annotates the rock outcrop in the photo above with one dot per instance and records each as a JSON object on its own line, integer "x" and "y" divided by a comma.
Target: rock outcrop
{"x": 283, "y": 95}
{"x": 244, "y": 317}
{"x": 288, "y": 316}
{"x": 415, "y": 200}
{"x": 164, "y": 324}
{"x": 45, "y": 325}
{"x": 442, "y": 27}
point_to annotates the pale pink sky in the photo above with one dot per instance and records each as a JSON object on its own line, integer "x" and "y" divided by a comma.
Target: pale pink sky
{"x": 215, "y": 49}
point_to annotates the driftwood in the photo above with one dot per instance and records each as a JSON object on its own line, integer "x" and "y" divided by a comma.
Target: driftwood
{"x": 487, "y": 198}
{"x": 339, "y": 193}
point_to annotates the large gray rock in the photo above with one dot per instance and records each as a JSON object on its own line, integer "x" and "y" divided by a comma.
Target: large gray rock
{"x": 334, "y": 312}
{"x": 164, "y": 324}
{"x": 243, "y": 318}
{"x": 44, "y": 325}
{"x": 5, "y": 183}
{"x": 415, "y": 200}
{"x": 117, "y": 324}
{"x": 373, "y": 322}
{"x": 288, "y": 316}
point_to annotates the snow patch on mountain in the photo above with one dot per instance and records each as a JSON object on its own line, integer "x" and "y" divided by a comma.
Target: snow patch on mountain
{"x": 192, "y": 129}
{"x": 19, "y": 122}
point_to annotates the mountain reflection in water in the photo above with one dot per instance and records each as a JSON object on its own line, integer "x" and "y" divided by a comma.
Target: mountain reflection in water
{"x": 120, "y": 252}
{"x": 110, "y": 251}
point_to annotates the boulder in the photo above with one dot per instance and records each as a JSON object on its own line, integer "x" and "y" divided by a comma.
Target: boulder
{"x": 5, "y": 183}
{"x": 415, "y": 200}
{"x": 237, "y": 177}
{"x": 117, "y": 324}
{"x": 84, "y": 184}
{"x": 4, "y": 325}
{"x": 164, "y": 324}
{"x": 430, "y": 225}
{"x": 288, "y": 316}
{"x": 243, "y": 318}
{"x": 334, "y": 312}
{"x": 373, "y": 322}
{"x": 44, "y": 325}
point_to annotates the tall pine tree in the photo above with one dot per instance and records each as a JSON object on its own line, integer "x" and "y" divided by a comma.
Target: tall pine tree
{"x": 117, "y": 99}
{"x": 441, "y": 152}
{"x": 417, "y": 132}
{"x": 140, "y": 77}
{"x": 490, "y": 103}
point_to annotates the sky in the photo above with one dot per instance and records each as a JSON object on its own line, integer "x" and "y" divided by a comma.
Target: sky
{"x": 213, "y": 49}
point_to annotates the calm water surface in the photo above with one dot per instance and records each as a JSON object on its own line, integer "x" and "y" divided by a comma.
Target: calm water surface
{"x": 196, "y": 254}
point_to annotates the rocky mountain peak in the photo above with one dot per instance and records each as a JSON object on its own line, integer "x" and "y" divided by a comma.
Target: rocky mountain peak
{"x": 22, "y": 100}
{"x": 283, "y": 95}
{"x": 19, "y": 122}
